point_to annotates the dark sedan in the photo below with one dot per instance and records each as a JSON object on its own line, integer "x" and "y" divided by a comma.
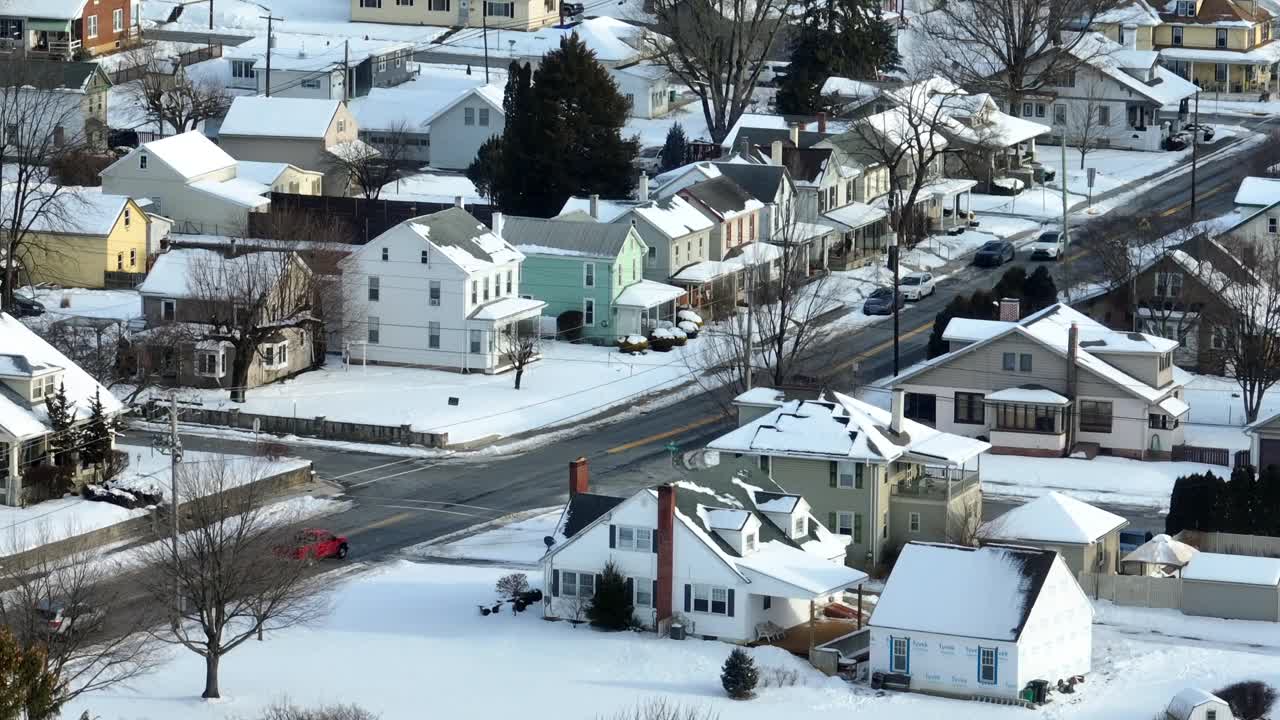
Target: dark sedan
{"x": 26, "y": 307}
{"x": 881, "y": 302}
{"x": 994, "y": 254}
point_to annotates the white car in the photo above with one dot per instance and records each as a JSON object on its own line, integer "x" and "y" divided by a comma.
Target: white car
{"x": 1050, "y": 245}
{"x": 917, "y": 285}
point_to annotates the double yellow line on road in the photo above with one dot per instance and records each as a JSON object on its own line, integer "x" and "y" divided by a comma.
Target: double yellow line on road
{"x": 1201, "y": 196}
{"x": 701, "y": 422}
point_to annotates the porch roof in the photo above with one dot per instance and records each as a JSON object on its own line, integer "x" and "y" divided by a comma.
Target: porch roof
{"x": 508, "y": 308}
{"x": 1265, "y": 55}
{"x": 647, "y": 294}
{"x": 1174, "y": 406}
{"x": 705, "y": 271}
{"x": 1033, "y": 394}
{"x": 779, "y": 570}
{"x": 856, "y": 215}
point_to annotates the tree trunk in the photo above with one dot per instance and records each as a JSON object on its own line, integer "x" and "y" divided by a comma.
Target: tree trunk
{"x": 240, "y": 370}
{"x": 519, "y": 375}
{"x": 211, "y": 677}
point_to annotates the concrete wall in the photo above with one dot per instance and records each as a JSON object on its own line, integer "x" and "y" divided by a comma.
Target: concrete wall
{"x": 318, "y": 427}
{"x": 454, "y": 143}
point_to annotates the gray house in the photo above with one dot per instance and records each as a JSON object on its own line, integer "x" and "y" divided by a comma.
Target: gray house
{"x": 302, "y": 132}
{"x": 303, "y": 68}
{"x": 1087, "y": 538}
{"x": 877, "y": 477}
{"x": 464, "y": 124}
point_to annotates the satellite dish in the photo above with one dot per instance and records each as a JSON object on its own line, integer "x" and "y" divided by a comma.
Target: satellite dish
{"x": 548, "y": 541}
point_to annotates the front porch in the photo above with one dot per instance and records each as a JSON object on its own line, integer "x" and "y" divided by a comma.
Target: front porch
{"x": 864, "y": 239}
{"x": 1223, "y": 71}
{"x": 499, "y": 331}
{"x": 642, "y": 305}
{"x": 1028, "y": 420}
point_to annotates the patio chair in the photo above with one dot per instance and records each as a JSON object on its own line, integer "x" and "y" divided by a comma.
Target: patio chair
{"x": 769, "y": 632}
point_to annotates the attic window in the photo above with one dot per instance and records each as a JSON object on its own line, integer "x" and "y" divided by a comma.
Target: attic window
{"x": 749, "y": 542}
{"x": 142, "y": 161}
{"x": 43, "y": 387}
{"x": 800, "y": 527}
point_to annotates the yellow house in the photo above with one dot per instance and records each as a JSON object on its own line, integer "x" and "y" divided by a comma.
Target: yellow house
{"x": 1131, "y": 25}
{"x": 1221, "y": 45}
{"x": 88, "y": 239}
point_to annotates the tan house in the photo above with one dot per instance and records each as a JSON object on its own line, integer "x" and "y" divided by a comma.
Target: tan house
{"x": 1053, "y": 383}
{"x": 502, "y": 15}
{"x": 91, "y": 240}
{"x": 302, "y": 132}
{"x": 1087, "y": 538}
{"x": 192, "y": 301}
{"x": 874, "y": 475}
{"x": 1224, "y": 45}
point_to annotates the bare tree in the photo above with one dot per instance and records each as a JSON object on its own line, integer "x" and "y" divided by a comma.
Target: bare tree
{"x": 964, "y": 522}
{"x": 1083, "y": 124}
{"x": 519, "y": 344}
{"x": 230, "y": 576}
{"x": 78, "y": 604}
{"x": 715, "y": 47}
{"x": 171, "y": 99}
{"x": 39, "y": 125}
{"x": 662, "y": 709}
{"x": 1247, "y": 320}
{"x": 372, "y": 167}
{"x": 285, "y": 710}
{"x": 1010, "y": 48}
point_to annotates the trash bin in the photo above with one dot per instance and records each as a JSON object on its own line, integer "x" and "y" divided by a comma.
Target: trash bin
{"x": 677, "y": 631}
{"x": 1041, "y": 689}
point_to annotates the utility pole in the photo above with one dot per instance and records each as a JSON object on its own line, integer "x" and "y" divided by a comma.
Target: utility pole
{"x": 211, "y": 19}
{"x": 271, "y": 41}
{"x": 893, "y": 260}
{"x": 346, "y": 71}
{"x": 1066, "y": 240}
{"x": 172, "y": 446}
{"x": 751, "y": 325}
{"x": 1195, "y": 154}
{"x": 484, "y": 23}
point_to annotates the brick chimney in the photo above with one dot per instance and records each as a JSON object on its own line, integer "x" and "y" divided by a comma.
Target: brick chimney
{"x": 822, "y": 122}
{"x": 1010, "y": 309}
{"x": 666, "y": 550}
{"x": 578, "y": 476}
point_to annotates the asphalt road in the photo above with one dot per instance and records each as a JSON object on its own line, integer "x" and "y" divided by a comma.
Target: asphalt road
{"x": 399, "y": 502}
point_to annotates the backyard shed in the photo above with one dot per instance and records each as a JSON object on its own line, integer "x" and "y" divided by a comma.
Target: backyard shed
{"x": 1160, "y": 556}
{"x": 1197, "y": 704}
{"x": 1238, "y": 587}
{"x": 1087, "y": 538}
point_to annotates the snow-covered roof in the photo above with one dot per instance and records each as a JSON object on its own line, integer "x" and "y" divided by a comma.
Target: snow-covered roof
{"x": 1267, "y": 54}
{"x": 1239, "y": 569}
{"x": 284, "y": 117}
{"x": 1054, "y": 518}
{"x": 1174, "y": 406}
{"x": 844, "y": 428}
{"x": 433, "y": 187}
{"x": 299, "y": 52}
{"x": 1165, "y": 88}
{"x": 849, "y": 88}
{"x": 673, "y": 216}
{"x": 53, "y": 9}
{"x": 973, "y": 330}
{"x": 1188, "y": 699}
{"x": 647, "y": 294}
{"x": 190, "y": 154}
{"x": 453, "y": 234}
{"x": 1137, "y": 13}
{"x": 1260, "y": 191}
{"x": 1162, "y": 550}
{"x": 761, "y": 396}
{"x": 507, "y": 307}
{"x": 172, "y": 272}
{"x": 762, "y": 121}
{"x": 856, "y": 215}
{"x": 17, "y": 420}
{"x": 720, "y": 519}
{"x": 705, "y": 271}
{"x": 490, "y": 94}
{"x": 775, "y": 568}
{"x": 606, "y": 210}
{"x": 265, "y": 173}
{"x": 983, "y": 593}
{"x": 721, "y": 198}
{"x": 72, "y": 211}
{"x": 1036, "y": 394}
{"x": 240, "y": 191}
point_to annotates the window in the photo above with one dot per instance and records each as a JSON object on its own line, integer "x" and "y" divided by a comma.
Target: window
{"x": 800, "y": 527}
{"x": 1166, "y": 359}
{"x": 1024, "y": 362}
{"x": 433, "y": 293}
{"x": 468, "y": 116}
{"x": 1095, "y": 416}
{"x": 1272, "y": 225}
{"x": 644, "y": 592}
{"x": 987, "y": 666}
{"x": 474, "y": 339}
{"x": 370, "y": 3}
{"x": 1222, "y": 37}
{"x": 386, "y": 255}
{"x": 133, "y": 258}
{"x": 484, "y": 117}
{"x": 374, "y": 328}
{"x": 1027, "y": 418}
{"x": 653, "y": 254}
{"x": 1220, "y": 72}
{"x": 500, "y": 9}
{"x": 588, "y": 274}
{"x": 1027, "y": 109}
{"x": 269, "y": 355}
{"x": 242, "y": 69}
{"x": 968, "y": 409}
{"x": 900, "y": 655}
{"x": 1210, "y": 714}
{"x": 119, "y": 262}
{"x": 1158, "y": 421}
{"x": 1218, "y": 338}
{"x": 1040, "y": 109}
{"x": 1104, "y": 116}
{"x": 844, "y": 523}
{"x": 382, "y": 64}
{"x": 921, "y": 407}
{"x": 1008, "y": 361}
{"x": 509, "y": 282}
{"x": 913, "y": 522}
{"x": 91, "y": 22}
{"x": 850, "y": 475}
{"x": 433, "y": 335}
{"x": 486, "y": 288}
{"x": 710, "y": 599}
{"x": 1186, "y": 8}
{"x": 117, "y": 20}
{"x": 1168, "y": 284}
{"x": 1059, "y": 114}
{"x": 142, "y": 161}
{"x": 438, "y": 5}
{"x": 475, "y": 291}
{"x": 373, "y": 288}
{"x": 210, "y": 364}
{"x": 408, "y": 3}
{"x": 311, "y": 83}
{"x": 577, "y": 584}
{"x": 342, "y": 125}
{"x": 635, "y": 539}
{"x": 168, "y": 310}
{"x": 1177, "y": 34}
{"x": 588, "y": 312}
{"x": 749, "y": 542}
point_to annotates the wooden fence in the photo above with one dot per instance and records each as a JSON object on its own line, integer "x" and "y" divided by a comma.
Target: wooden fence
{"x": 1231, "y": 543}
{"x": 1204, "y": 455}
{"x": 184, "y": 59}
{"x": 366, "y": 219}
{"x": 316, "y": 427}
{"x": 1133, "y": 590}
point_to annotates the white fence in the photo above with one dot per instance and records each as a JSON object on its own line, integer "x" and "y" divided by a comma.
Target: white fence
{"x": 1134, "y": 590}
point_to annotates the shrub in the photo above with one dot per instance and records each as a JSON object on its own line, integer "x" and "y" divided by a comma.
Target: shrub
{"x": 612, "y": 607}
{"x": 739, "y": 676}
{"x": 689, "y": 316}
{"x": 285, "y": 710}
{"x": 511, "y": 586}
{"x": 633, "y": 344}
{"x": 663, "y": 709}
{"x": 1249, "y": 699}
{"x": 662, "y": 340}
{"x": 690, "y": 328}
{"x": 681, "y": 337}
{"x": 569, "y": 325}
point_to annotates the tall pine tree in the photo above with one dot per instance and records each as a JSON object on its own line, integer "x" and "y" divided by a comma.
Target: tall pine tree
{"x": 99, "y": 432}
{"x": 65, "y": 438}
{"x": 848, "y": 38}
{"x": 675, "y": 150}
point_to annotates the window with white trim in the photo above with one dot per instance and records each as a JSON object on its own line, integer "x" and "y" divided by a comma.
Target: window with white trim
{"x": 588, "y": 274}
{"x": 474, "y": 338}
{"x": 1273, "y": 225}
{"x": 468, "y": 116}
{"x": 1177, "y": 35}
{"x": 168, "y": 310}
{"x": 643, "y": 592}
{"x": 311, "y": 83}
{"x": 913, "y": 522}
{"x": 484, "y": 117}
{"x": 987, "y": 665}
{"x": 500, "y": 9}
{"x": 577, "y": 584}
{"x": 588, "y": 312}
{"x": 800, "y": 526}
{"x": 636, "y": 539}
{"x": 433, "y": 293}
{"x": 711, "y": 599}
{"x": 899, "y": 654}
{"x": 749, "y": 542}
{"x": 844, "y": 523}
{"x": 91, "y": 22}
{"x": 475, "y": 291}
{"x": 850, "y": 476}
{"x": 375, "y": 329}
{"x": 211, "y": 363}
{"x": 117, "y": 20}
{"x": 375, "y": 290}
{"x": 342, "y": 127}
{"x": 1168, "y": 284}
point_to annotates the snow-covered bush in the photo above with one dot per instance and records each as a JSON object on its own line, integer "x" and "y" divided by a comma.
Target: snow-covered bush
{"x": 512, "y": 585}
{"x": 662, "y": 339}
{"x": 679, "y": 336}
{"x": 690, "y": 328}
{"x": 690, "y": 316}
{"x": 633, "y": 344}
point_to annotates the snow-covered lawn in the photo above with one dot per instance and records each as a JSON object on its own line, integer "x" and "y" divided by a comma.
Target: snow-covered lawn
{"x": 1115, "y": 168}
{"x": 24, "y": 528}
{"x": 653, "y": 131}
{"x": 517, "y": 540}
{"x": 1106, "y": 480}
{"x": 568, "y": 383}
{"x": 406, "y": 633}
{"x": 301, "y": 16}
{"x": 1037, "y": 202}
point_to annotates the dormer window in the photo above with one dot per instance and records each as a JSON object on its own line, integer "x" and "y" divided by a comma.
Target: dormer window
{"x": 800, "y": 527}
{"x": 749, "y": 542}
{"x": 1186, "y": 8}
{"x": 43, "y": 387}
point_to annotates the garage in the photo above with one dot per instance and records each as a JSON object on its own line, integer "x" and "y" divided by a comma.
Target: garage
{"x": 1237, "y": 587}
{"x": 1268, "y": 452}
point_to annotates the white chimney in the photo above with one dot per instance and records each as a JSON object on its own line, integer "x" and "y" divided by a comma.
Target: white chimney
{"x": 497, "y": 224}
{"x": 457, "y": 201}
{"x": 795, "y": 134}
{"x": 595, "y": 206}
{"x": 642, "y": 194}
{"x": 1131, "y": 36}
{"x": 895, "y": 407}
{"x": 775, "y": 152}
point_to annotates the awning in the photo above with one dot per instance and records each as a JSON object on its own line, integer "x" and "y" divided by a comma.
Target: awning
{"x": 62, "y": 26}
{"x": 856, "y": 215}
{"x": 647, "y": 294}
{"x": 1028, "y": 394}
{"x": 508, "y": 308}
{"x": 1174, "y": 406}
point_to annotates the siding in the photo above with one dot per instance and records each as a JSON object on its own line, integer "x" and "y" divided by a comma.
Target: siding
{"x": 557, "y": 280}
{"x": 1228, "y": 600}
{"x": 454, "y": 143}
{"x": 811, "y": 479}
{"x": 188, "y": 208}
{"x": 82, "y": 260}
{"x": 529, "y": 15}
{"x": 948, "y": 665}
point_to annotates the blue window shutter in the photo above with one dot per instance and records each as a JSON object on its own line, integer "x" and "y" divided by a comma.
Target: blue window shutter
{"x": 613, "y": 536}
{"x": 688, "y": 598}
{"x": 555, "y": 583}
{"x": 730, "y": 602}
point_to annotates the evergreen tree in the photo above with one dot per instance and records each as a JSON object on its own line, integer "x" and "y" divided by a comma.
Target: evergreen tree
{"x": 1039, "y": 291}
{"x": 28, "y": 689}
{"x": 1239, "y": 503}
{"x": 1194, "y": 502}
{"x": 1011, "y": 283}
{"x": 99, "y": 432}
{"x": 675, "y": 150}
{"x": 848, "y": 38}
{"x": 1268, "y": 487}
{"x": 958, "y": 307}
{"x": 611, "y": 607}
{"x": 739, "y": 675}
{"x": 65, "y": 438}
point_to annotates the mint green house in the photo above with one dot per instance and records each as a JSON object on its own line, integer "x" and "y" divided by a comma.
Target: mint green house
{"x": 590, "y": 275}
